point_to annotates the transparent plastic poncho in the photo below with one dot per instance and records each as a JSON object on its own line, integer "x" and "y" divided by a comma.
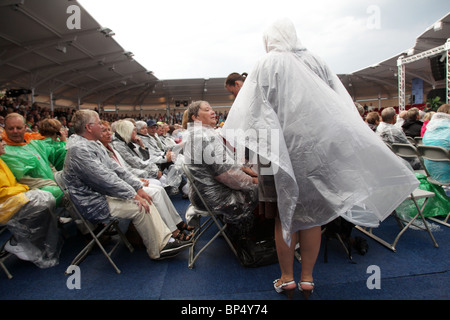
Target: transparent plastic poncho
{"x": 293, "y": 111}
{"x": 91, "y": 175}
{"x": 34, "y": 228}
{"x": 222, "y": 183}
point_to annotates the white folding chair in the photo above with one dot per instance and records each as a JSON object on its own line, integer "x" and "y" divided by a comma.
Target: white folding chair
{"x": 212, "y": 218}
{"x": 435, "y": 153}
{"x": 417, "y": 194}
{"x": 112, "y": 225}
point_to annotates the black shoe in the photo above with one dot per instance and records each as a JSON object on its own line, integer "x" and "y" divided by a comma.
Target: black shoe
{"x": 173, "y": 248}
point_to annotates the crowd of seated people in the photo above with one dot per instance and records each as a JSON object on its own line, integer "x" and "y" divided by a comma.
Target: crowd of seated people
{"x": 28, "y": 162}
{"x": 36, "y": 143}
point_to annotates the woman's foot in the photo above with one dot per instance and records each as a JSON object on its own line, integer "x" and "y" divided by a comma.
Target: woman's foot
{"x": 184, "y": 226}
{"x": 182, "y": 236}
{"x": 306, "y": 287}
{"x": 284, "y": 287}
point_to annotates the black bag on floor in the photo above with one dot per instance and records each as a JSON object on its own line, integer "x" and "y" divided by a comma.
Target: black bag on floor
{"x": 258, "y": 248}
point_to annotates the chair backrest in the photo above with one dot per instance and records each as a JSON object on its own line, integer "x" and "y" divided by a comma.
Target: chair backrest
{"x": 60, "y": 181}
{"x": 411, "y": 140}
{"x": 418, "y": 140}
{"x": 434, "y": 153}
{"x": 405, "y": 150}
{"x": 192, "y": 184}
{"x": 71, "y": 206}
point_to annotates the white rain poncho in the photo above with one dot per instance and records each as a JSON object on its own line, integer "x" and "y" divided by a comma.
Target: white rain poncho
{"x": 327, "y": 162}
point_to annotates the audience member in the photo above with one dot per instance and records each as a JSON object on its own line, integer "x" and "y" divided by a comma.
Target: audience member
{"x": 32, "y": 161}
{"x": 220, "y": 180}
{"x": 124, "y": 133}
{"x": 101, "y": 188}
{"x": 426, "y": 120}
{"x": 52, "y": 128}
{"x": 158, "y": 194}
{"x": 373, "y": 120}
{"x": 166, "y": 137}
{"x": 401, "y": 118}
{"x": 412, "y": 125}
{"x": 438, "y": 134}
{"x": 29, "y": 216}
{"x": 390, "y": 133}
{"x": 158, "y": 156}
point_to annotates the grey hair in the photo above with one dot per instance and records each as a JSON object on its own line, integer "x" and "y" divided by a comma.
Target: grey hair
{"x": 140, "y": 125}
{"x": 81, "y": 118}
{"x": 193, "y": 109}
{"x": 388, "y": 114}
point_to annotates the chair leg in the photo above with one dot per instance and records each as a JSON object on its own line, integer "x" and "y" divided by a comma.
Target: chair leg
{"x": 2, "y": 265}
{"x": 443, "y": 222}
{"x": 424, "y": 220}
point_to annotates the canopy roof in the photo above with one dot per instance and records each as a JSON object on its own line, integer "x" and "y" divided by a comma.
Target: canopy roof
{"x": 382, "y": 78}
{"x": 38, "y": 51}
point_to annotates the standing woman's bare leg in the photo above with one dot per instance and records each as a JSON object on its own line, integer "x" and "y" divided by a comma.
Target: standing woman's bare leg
{"x": 285, "y": 253}
{"x": 309, "y": 249}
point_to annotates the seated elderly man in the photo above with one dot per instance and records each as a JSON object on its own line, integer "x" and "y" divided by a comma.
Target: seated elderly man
{"x": 227, "y": 188}
{"x": 101, "y": 188}
{"x": 28, "y": 216}
{"x": 390, "y": 133}
{"x": 32, "y": 161}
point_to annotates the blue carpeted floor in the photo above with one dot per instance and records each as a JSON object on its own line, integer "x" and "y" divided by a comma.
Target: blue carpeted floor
{"x": 417, "y": 271}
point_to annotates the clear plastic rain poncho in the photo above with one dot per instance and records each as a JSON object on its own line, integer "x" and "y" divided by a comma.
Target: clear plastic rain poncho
{"x": 438, "y": 134}
{"x": 294, "y": 111}
{"x": 223, "y": 184}
{"x": 35, "y": 229}
{"x": 91, "y": 175}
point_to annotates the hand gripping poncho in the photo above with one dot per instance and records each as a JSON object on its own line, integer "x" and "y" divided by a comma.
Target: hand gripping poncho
{"x": 326, "y": 160}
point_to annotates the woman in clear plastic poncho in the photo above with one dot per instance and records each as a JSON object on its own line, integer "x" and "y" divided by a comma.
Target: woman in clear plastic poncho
{"x": 223, "y": 184}
{"x": 325, "y": 160}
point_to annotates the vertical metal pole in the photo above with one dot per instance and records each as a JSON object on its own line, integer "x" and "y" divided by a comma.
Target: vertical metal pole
{"x": 401, "y": 84}
{"x": 447, "y": 47}
{"x": 51, "y": 102}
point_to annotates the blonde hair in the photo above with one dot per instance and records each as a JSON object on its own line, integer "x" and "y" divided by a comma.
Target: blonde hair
{"x": 428, "y": 116}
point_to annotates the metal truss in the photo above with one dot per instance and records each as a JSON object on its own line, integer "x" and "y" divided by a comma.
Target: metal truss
{"x": 403, "y": 60}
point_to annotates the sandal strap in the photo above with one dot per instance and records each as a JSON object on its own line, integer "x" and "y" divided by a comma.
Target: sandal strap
{"x": 284, "y": 284}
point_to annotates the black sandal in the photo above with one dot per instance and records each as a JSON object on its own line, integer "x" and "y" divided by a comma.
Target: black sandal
{"x": 183, "y": 226}
{"x": 183, "y": 236}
